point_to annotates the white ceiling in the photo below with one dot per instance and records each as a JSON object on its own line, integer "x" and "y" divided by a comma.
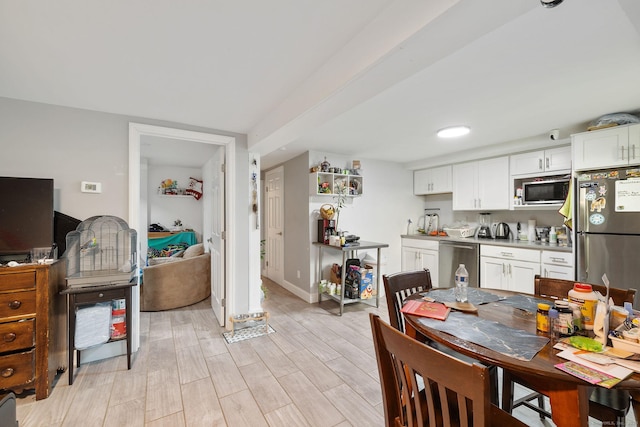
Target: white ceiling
{"x": 363, "y": 78}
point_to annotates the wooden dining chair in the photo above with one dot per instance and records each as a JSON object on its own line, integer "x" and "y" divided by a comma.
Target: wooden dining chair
{"x": 604, "y": 405}
{"x": 399, "y": 286}
{"x": 457, "y": 391}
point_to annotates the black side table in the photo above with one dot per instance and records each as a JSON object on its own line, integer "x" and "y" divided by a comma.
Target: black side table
{"x": 78, "y": 296}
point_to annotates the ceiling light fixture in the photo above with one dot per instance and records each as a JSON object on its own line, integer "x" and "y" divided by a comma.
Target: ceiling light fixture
{"x": 453, "y": 131}
{"x": 550, "y": 3}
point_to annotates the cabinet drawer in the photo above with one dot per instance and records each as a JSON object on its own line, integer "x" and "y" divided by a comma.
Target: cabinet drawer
{"x": 507, "y": 252}
{"x": 15, "y": 281}
{"x": 17, "y": 335}
{"x": 100, "y": 296}
{"x": 421, "y": 243}
{"x": 17, "y": 369}
{"x": 557, "y": 258}
{"x": 18, "y": 304}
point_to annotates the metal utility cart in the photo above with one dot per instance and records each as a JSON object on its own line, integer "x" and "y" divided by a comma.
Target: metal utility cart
{"x": 101, "y": 255}
{"x": 349, "y": 252}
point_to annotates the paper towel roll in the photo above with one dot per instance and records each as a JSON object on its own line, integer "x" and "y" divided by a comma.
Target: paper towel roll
{"x": 532, "y": 230}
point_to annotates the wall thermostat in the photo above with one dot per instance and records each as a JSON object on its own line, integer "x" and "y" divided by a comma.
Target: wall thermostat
{"x": 91, "y": 187}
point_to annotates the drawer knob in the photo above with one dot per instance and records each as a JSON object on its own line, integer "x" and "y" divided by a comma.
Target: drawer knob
{"x": 14, "y": 305}
{"x": 100, "y": 295}
{"x": 10, "y": 337}
{"x": 6, "y": 373}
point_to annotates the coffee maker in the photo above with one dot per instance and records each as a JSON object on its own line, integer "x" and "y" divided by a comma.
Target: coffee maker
{"x": 326, "y": 228}
{"x": 484, "y": 228}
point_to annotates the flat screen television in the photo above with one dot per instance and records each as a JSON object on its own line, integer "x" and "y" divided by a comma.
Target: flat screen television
{"x": 26, "y": 217}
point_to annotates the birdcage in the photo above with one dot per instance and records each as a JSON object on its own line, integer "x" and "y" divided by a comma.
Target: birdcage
{"x": 101, "y": 249}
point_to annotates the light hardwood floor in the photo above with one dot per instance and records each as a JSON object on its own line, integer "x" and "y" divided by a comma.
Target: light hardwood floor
{"x": 317, "y": 369}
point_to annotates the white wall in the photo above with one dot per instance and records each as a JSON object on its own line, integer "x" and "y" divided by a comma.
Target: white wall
{"x": 379, "y": 215}
{"x": 73, "y": 145}
{"x": 166, "y": 209}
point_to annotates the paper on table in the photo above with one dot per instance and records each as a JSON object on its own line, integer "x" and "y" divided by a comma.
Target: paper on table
{"x": 614, "y": 369}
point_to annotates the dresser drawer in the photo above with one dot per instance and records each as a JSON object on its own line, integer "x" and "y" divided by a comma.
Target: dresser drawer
{"x": 100, "y": 296}
{"x": 20, "y": 280}
{"x": 17, "y": 335}
{"x": 17, "y": 369}
{"x": 18, "y": 304}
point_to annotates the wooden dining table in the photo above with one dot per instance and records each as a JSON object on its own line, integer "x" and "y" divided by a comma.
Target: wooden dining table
{"x": 569, "y": 395}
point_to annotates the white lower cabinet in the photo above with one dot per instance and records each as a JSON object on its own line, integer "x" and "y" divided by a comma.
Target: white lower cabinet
{"x": 509, "y": 268}
{"x": 557, "y": 265}
{"x": 418, "y": 254}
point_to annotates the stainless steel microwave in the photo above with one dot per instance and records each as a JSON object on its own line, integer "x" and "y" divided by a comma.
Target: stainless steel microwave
{"x": 545, "y": 191}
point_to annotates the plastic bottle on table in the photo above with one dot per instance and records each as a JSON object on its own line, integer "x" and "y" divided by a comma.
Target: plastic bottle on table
{"x": 462, "y": 283}
{"x": 553, "y": 325}
{"x": 582, "y": 294}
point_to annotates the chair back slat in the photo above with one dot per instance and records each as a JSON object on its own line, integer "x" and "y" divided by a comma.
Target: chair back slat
{"x": 398, "y": 287}
{"x": 559, "y": 288}
{"x": 456, "y": 392}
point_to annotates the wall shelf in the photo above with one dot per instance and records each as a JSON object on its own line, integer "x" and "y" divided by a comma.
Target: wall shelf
{"x": 329, "y": 184}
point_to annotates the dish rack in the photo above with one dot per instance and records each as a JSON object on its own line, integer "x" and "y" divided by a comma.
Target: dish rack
{"x": 460, "y": 232}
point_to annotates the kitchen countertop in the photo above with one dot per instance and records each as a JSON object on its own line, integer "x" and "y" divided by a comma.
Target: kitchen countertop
{"x": 525, "y": 244}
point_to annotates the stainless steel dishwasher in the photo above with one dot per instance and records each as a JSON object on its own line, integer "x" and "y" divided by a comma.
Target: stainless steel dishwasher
{"x": 451, "y": 255}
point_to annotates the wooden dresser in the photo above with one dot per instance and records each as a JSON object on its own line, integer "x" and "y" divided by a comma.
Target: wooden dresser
{"x": 33, "y": 332}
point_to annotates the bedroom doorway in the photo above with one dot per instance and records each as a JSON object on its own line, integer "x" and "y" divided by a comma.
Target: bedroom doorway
{"x": 137, "y": 208}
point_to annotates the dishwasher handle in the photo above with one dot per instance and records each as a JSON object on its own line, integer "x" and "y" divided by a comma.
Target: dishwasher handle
{"x": 460, "y": 246}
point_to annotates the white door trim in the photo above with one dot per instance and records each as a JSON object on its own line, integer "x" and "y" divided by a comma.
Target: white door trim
{"x": 136, "y": 131}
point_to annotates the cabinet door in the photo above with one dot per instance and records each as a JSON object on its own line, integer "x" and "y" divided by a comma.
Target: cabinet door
{"x": 441, "y": 180}
{"x": 421, "y": 182}
{"x": 465, "y": 186}
{"x": 430, "y": 261}
{"x": 492, "y": 273}
{"x": 432, "y": 181}
{"x": 557, "y": 272}
{"x": 634, "y": 144}
{"x": 557, "y": 159}
{"x": 601, "y": 148}
{"x": 410, "y": 259}
{"x": 521, "y": 275}
{"x": 493, "y": 183}
{"x": 528, "y": 163}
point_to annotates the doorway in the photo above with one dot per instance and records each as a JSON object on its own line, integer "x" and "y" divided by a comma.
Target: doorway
{"x": 138, "y": 216}
{"x": 274, "y": 186}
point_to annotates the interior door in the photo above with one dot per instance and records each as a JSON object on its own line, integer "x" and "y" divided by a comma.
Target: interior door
{"x": 214, "y": 199}
{"x": 275, "y": 238}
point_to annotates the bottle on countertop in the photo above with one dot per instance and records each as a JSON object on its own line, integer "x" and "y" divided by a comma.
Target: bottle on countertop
{"x": 462, "y": 283}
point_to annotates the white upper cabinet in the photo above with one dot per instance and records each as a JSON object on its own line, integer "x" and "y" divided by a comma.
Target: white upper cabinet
{"x": 541, "y": 162}
{"x": 610, "y": 147}
{"x": 432, "y": 181}
{"x": 481, "y": 185}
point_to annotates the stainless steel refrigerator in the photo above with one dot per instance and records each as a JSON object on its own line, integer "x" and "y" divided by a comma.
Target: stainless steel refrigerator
{"x": 608, "y": 227}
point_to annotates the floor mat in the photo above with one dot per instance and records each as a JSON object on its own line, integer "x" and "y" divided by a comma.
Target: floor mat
{"x": 246, "y": 333}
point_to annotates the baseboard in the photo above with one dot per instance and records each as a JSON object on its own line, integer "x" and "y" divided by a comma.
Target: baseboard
{"x": 300, "y": 293}
{"x": 310, "y": 297}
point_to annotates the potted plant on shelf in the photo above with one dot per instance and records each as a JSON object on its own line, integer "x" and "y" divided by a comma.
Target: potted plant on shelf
{"x": 177, "y": 225}
{"x": 341, "y": 201}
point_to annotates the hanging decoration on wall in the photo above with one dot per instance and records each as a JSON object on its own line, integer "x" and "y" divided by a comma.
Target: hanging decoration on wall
{"x": 254, "y": 191}
{"x": 194, "y": 188}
